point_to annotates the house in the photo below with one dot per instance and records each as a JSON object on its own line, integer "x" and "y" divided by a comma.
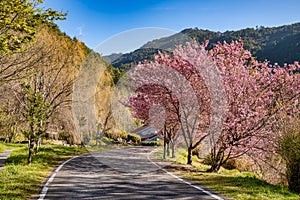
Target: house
{"x": 147, "y": 133}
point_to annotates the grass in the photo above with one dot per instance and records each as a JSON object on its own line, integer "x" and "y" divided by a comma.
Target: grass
{"x": 20, "y": 181}
{"x": 6, "y": 146}
{"x": 231, "y": 183}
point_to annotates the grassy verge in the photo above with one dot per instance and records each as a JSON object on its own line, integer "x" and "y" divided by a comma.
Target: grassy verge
{"x": 230, "y": 183}
{"x": 5, "y": 146}
{"x": 19, "y": 180}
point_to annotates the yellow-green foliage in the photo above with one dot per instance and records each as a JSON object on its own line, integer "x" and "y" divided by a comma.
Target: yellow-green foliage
{"x": 103, "y": 98}
{"x": 136, "y": 139}
{"x": 116, "y": 134}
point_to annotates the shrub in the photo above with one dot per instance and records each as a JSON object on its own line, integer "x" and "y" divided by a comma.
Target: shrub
{"x": 290, "y": 151}
{"x": 92, "y": 142}
{"x": 151, "y": 143}
{"x": 107, "y": 140}
{"x": 108, "y": 134}
{"x": 229, "y": 164}
{"x": 196, "y": 152}
{"x": 116, "y": 135}
{"x": 136, "y": 139}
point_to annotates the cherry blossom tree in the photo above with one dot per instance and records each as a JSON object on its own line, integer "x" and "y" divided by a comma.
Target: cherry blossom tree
{"x": 176, "y": 85}
{"x": 236, "y": 98}
{"x": 156, "y": 106}
{"x": 256, "y": 93}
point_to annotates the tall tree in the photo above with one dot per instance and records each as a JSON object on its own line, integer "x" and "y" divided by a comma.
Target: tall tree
{"x": 256, "y": 92}
{"x": 176, "y": 85}
{"x": 35, "y": 112}
{"x": 19, "y": 20}
{"x": 50, "y": 85}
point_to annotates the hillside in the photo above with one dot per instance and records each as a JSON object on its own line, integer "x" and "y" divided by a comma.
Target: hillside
{"x": 52, "y": 62}
{"x": 276, "y": 44}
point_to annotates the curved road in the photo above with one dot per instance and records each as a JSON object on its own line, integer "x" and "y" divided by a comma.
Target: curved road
{"x": 125, "y": 173}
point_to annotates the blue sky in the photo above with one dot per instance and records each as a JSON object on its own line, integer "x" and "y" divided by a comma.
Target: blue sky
{"x": 95, "y": 21}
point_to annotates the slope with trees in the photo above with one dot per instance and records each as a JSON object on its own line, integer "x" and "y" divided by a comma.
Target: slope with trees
{"x": 275, "y": 44}
{"x": 38, "y": 67}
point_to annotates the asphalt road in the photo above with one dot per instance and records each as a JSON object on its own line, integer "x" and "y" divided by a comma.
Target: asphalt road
{"x": 3, "y": 157}
{"x": 125, "y": 173}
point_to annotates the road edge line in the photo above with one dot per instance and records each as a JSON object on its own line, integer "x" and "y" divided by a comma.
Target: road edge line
{"x": 180, "y": 179}
{"x": 45, "y": 187}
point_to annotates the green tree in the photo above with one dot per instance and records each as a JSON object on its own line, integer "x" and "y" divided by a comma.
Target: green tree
{"x": 19, "y": 20}
{"x": 35, "y": 112}
{"x": 10, "y": 119}
{"x": 288, "y": 146}
{"x": 48, "y": 89}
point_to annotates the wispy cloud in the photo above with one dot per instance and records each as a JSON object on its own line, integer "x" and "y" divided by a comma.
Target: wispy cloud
{"x": 80, "y": 31}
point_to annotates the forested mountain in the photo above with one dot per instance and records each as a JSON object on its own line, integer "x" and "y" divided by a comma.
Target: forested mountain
{"x": 126, "y": 60}
{"x": 277, "y": 44}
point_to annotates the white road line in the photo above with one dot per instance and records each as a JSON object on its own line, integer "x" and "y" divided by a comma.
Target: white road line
{"x": 45, "y": 188}
{"x": 180, "y": 179}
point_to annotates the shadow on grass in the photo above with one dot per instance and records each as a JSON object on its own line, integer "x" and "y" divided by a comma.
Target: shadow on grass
{"x": 243, "y": 186}
{"x": 47, "y": 155}
{"x": 18, "y": 180}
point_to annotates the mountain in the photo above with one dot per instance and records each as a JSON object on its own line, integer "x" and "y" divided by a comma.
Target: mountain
{"x": 110, "y": 58}
{"x": 125, "y": 61}
{"x": 276, "y": 44}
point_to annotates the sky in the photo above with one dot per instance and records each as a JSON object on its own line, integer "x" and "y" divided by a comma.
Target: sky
{"x": 104, "y": 23}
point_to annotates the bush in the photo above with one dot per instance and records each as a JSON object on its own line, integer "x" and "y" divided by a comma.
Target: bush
{"x": 116, "y": 135}
{"x": 107, "y": 140}
{"x": 290, "y": 151}
{"x": 229, "y": 164}
{"x": 196, "y": 152}
{"x": 136, "y": 139}
{"x": 151, "y": 143}
{"x": 108, "y": 134}
{"x": 92, "y": 142}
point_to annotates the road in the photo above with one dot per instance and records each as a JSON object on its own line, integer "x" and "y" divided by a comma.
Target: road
{"x": 3, "y": 157}
{"x": 125, "y": 173}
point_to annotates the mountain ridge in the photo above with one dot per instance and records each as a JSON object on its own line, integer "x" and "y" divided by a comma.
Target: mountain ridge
{"x": 279, "y": 44}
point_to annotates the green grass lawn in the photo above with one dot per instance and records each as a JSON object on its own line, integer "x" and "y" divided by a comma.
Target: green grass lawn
{"x": 5, "y": 146}
{"x": 20, "y": 181}
{"x": 231, "y": 183}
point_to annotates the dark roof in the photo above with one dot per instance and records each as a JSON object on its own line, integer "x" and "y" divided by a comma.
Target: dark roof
{"x": 140, "y": 128}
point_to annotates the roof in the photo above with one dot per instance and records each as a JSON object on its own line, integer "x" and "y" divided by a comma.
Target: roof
{"x": 146, "y": 132}
{"x": 143, "y": 128}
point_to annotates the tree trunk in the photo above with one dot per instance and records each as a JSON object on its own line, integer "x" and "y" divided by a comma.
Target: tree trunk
{"x": 165, "y": 142}
{"x": 165, "y": 149}
{"x": 98, "y": 135}
{"x": 38, "y": 144}
{"x": 189, "y": 157}
{"x": 31, "y": 149}
{"x": 215, "y": 167}
{"x": 10, "y": 139}
{"x": 168, "y": 149}
{"x": 217, "y": 161}
{"x": 173, "y": 149}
